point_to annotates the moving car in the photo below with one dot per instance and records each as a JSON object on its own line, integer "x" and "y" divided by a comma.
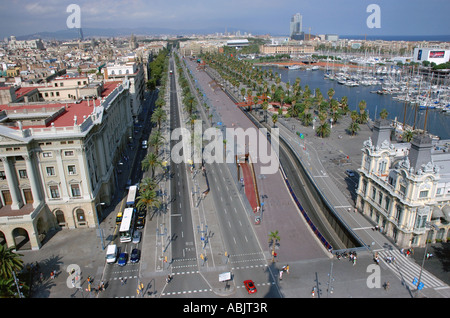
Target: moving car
{"x": 135, "y": 255}
{"x": 111, "y": 253}
{"x": 140, "y": 223}
{"x": 250, "y": 286}
{"x": 119, "y": 217}
{"x": 123, "y": 257}
{"x": 144, "y": 144}
{"x": 350, "y": 173}
{"x": 136, "y": 237}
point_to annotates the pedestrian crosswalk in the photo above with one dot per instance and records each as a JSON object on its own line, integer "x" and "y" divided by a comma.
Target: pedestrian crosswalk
{"x": 407, "y": 270}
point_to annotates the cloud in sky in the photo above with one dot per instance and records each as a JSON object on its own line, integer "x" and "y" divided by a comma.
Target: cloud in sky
{"x": 399, "y": 17}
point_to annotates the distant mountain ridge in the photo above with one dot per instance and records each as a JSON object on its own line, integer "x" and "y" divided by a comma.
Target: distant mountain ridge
{"x": 69, "y": 34}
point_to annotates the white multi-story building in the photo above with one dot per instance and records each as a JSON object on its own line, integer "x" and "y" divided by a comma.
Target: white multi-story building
{"x": 405, "y": 187}
{"x": 58, "y": 163}
{"x": 14, "y": 44}
{"x": 134, "y": 72}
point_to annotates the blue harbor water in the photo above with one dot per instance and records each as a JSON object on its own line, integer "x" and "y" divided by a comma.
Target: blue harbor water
{"x": 438, "y": 123}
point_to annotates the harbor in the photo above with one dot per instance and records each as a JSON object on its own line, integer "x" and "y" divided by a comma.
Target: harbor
{"x": 414, "y": 99}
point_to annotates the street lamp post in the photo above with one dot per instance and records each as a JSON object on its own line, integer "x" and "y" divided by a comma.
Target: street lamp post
{"x": 98, "y": 224}
{"x": 432, "y": 226}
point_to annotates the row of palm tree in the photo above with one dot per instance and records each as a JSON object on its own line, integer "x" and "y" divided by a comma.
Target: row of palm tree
{"x": 303, "y": 104}
{"x": 148, "y": 188}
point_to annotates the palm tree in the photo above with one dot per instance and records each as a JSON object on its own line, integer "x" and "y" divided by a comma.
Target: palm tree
{"x": 147, "y": 199}
{"x": 323, "y": 130}
{"x": 384, "y": 113}
{"x": 158, "y": 116}
{"x": 274, "y": 119}
{"x": 147, "y": 184}
{"x": 151, "y": 161}
{"x": 9, "y": 262}
{"x": 353, "y": 128}
{"x": 307, "y": 119}
{"x": 344, "y": 104}
{"x": 156, "y": 140}
{"x": 362, "y": 112}
{"x": 408, "y": 135}
{"x": 189, "y": 100}
{"x": 274, "y": 238}
{"x": 330, "y": 94}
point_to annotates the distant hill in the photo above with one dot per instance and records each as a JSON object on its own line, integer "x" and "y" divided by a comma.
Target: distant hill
{"x": 69, "y": 34}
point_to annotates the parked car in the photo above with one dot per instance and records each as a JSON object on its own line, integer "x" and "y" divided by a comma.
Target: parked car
{"x": 350, "y": 173}
{"x": 123, "y": 257}
{"x": 119, "y": 217}
{"x": 144, "y": 144}
{"x": 137, "y": 237}
{"x": 141, "y": 213}
{"x": 140, "y": 222}
{"x": 135, "y": 255}
{"x": 250, "y": 286}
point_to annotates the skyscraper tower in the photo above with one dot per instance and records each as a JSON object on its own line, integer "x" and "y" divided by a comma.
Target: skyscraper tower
{"x": 296, "y": 26}
{"x": 80, "y": 34}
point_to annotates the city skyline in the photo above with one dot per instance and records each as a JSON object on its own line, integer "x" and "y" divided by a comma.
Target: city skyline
{"x": 347, "y": 17}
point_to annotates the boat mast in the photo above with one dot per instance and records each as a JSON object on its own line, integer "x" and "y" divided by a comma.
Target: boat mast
{"x": 406, "y": 101}
{"x": 428, "y": 99}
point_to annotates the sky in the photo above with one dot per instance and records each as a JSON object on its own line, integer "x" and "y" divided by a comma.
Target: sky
{"x": 343, "y": 17}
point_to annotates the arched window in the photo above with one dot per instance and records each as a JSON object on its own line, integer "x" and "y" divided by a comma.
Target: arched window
{"x": 60, "y": 219}
{"x": 80, "y": 217}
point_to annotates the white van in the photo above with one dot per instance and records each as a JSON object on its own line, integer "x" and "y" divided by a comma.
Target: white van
{"x": 111, "y": 253}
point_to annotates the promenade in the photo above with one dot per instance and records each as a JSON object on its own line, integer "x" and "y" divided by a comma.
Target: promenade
{"x": 327, "y": 160}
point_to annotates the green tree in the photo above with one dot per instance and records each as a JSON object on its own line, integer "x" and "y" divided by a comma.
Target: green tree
{"x": 307, "y": 119}
{"x": 384, "y": 113}
{"x": 323, "y": 130}
{"x": 156, "y": 140}
{"x": 9, "y": 262}
{"x": 159, "y": 115}
{"x": 274, "y": 119}
{"x": 353, "y": 128}
{"x": 408, "y": 135}
{"x": 151, "y": 161}
{"x": 148, "y": 199}
{"x": 274, "y": 238}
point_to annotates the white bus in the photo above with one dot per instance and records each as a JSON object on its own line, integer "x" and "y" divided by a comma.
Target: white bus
{"x": 127, "y": 225}
{"x": 131, "y": 199}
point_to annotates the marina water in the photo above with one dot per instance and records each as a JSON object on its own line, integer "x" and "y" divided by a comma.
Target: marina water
{"x": 438, "y": 123}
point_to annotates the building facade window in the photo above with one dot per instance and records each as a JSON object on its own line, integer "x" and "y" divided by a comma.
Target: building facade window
{"x": 75, "y": 188}
{"x": 402, "y": 189}
{"x": 23, "y": 174}
{"x": 398, "y": 213}
{"x": 54, "y": 192}
{"x": 50, "y": 171}
{"x": 71, "y": 169}
{"x": 2, "y": 175}
{"x": 423, "y": 194}
{"x": 387, "y": 203}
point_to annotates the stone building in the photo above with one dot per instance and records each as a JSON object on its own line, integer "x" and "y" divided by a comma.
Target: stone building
{"x": 404, "y": 188}
{"x": 59, "y": 162}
